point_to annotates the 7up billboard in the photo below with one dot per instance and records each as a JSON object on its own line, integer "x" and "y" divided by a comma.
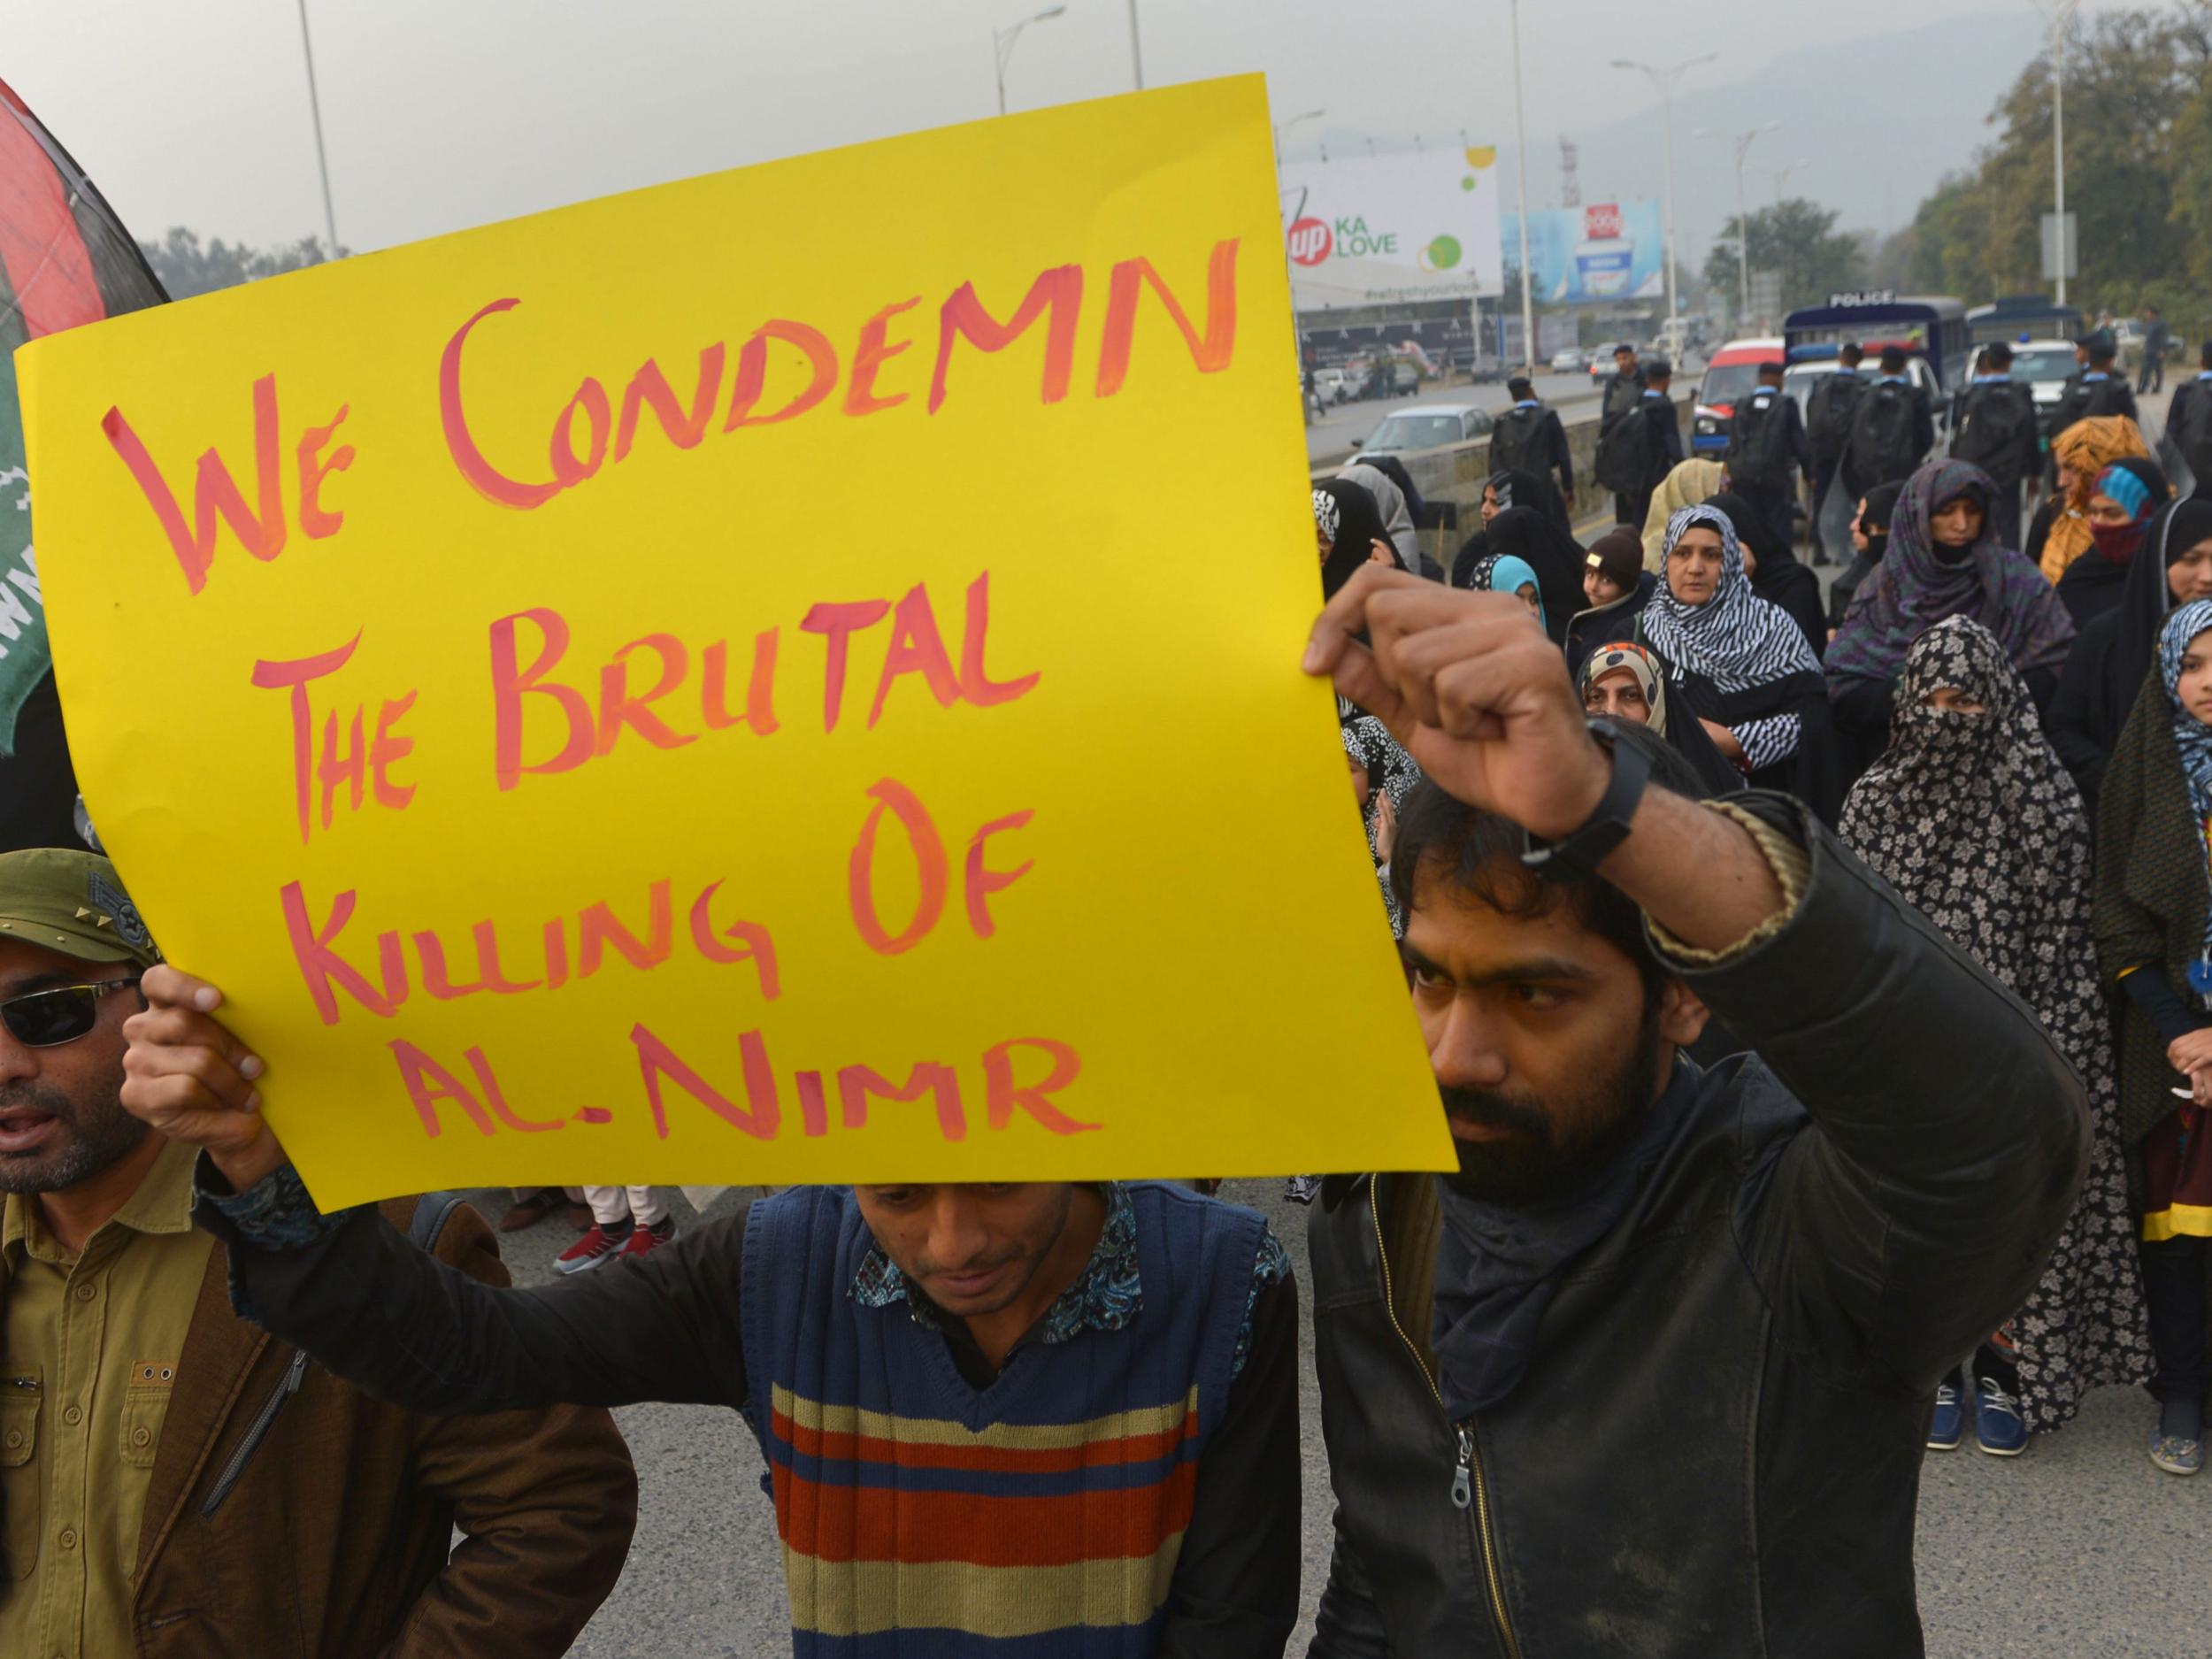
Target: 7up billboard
{"x": 1385, "y": 228}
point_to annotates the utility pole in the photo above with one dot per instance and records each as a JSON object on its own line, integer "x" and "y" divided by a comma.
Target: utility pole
{"x": 322, "y": 162}
{"x": 2062, "y": 12}
{"x": 1002, "y": 46}
{"x": 1520, "y": 167}
{"x": 1664, "y": 79}
{"x": 1136, "y": 48}
{"x": 1743, "y": 142}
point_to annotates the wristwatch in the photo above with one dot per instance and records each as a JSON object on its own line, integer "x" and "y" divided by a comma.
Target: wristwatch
{"x": 1576, "y": 857}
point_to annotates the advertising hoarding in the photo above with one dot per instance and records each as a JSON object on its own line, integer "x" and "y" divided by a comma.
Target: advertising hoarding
{"x": 1385, "y": 229}
{"x": 1594, "y": 255}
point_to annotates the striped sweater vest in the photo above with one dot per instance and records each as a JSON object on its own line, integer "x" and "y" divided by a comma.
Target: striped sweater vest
{"x": 1043, "y": 1516}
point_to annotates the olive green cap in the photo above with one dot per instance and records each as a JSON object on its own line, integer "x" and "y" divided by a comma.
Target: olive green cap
{"x": 72, "y": 902}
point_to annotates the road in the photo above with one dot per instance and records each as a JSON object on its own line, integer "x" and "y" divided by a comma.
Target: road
{"x": 2079, "y": 1548}
{"x": 1330, "y": 437}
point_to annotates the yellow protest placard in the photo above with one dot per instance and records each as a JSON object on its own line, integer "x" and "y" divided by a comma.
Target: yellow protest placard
{"x": 789, "y": 676}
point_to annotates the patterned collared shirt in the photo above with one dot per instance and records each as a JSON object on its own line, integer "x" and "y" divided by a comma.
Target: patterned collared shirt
{"x": 1105, "y": 1296}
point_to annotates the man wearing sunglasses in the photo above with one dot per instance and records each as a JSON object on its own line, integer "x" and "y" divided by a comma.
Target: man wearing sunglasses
{"x": 171, "y": 1479}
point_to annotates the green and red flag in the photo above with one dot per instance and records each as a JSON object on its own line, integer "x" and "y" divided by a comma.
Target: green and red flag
{"x": 65, "y": 259}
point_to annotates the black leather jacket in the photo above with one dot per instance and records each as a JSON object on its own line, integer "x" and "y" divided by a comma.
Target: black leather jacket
{"x": 1716, "y": 1450}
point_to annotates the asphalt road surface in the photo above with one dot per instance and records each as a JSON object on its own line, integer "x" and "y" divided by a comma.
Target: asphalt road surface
{"x": 1330, "y": 437}
{"x": 2079, "y": 1548}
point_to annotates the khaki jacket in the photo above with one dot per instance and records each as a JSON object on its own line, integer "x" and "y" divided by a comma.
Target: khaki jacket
{"x": 290, "y": 1514}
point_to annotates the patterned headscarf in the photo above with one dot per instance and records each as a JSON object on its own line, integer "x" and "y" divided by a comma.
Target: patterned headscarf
{"x": 1609, "y": 659}
{"x": 2191, "y": 737}
{"x": 2088, "y": 447}
{"x": 1735, "y": 639}
{"x": 1912, "y": 590}
{"x": 1976, "y": 822}
{"x": 1325, "y": 514}
{"x": 2193, "y": 741}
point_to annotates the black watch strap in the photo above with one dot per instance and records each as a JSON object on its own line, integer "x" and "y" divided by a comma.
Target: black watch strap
{"x": 1578, "y": 856}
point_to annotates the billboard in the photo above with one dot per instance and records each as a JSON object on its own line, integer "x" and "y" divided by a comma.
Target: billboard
{"x": 1383, "y": 229}
{"x": 1594, "y": 255}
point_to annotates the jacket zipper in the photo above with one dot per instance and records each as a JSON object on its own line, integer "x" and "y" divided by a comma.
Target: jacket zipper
{"x": 1468, "y": 1485}
{"x": 288, "y": 1385}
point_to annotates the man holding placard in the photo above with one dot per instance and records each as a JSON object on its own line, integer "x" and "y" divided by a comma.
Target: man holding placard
{"x": 988, "y": 1411}
{"x": 1651, "y": 1372}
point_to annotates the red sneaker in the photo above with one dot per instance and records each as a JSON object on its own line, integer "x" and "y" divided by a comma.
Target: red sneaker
{"x": 589, "y": 1251}
{"x": 645, "y": 1240}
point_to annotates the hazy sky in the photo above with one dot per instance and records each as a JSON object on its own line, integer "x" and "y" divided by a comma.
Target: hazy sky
{"x": 445, "y": 113}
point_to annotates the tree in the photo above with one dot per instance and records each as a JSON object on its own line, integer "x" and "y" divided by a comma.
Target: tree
{"x": 185, "y": 267}
{"x": 1799, "y": 239}
{"x": 2138, "y": 173}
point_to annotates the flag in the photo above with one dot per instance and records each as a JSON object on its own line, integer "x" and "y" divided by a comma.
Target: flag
{"x": 65, "y": 259}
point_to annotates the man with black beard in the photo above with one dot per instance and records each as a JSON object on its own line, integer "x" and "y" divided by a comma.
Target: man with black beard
{"x": 1650, "y": 1373}
{"x": 164, "y": 1466}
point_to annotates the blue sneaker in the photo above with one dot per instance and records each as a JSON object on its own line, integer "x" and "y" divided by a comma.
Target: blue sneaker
{"x": 1947, "y": 1427}
{"x": 1998, "y": 1429}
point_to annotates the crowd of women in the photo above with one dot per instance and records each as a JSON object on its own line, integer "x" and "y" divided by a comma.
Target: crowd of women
{"x": 2021, "y": 746}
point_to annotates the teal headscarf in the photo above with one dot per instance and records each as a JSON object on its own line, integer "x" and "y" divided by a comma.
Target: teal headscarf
{"x": 1507, "y": 574}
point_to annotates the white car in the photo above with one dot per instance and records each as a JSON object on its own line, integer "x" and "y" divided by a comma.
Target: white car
{"x": 1429, "y": 427}
{"x": 1330, "y": 386}
{"x": 1568, "y": 361}
{"x": 2044, "y": 365}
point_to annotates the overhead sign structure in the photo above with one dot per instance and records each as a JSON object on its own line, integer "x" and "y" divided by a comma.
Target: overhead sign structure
{"x": 1385, "y": 229}
{"x": 1595, "y": 255}
{"x": 2061, "y": 246}
{"x": 558, "y": 680}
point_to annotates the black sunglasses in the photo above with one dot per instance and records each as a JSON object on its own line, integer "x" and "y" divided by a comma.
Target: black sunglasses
{"x": 46, "y": 1019}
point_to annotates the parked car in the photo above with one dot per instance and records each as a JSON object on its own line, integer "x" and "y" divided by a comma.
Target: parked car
{"x": 1567, "y": 361}
{"x": 1331, "y": 386}
{"x": 1429, "y": 427}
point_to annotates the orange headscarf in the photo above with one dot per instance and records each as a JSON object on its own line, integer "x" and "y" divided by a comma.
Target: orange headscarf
{"x": 2088, "y": 447}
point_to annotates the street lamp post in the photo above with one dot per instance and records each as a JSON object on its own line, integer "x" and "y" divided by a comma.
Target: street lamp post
{"x": 1743, "y": 142}
{"x": 1520, "y": 167}
{"x": 1782, "y": 175}
{"x": 1663, "y": 78}
{"x": 1003, "y": 45}
{"x": 1136, "y": 49}
{"x": 1282, "y": 131}
{"x": 315, "y": 111}
{"x": 2060, "y": 13}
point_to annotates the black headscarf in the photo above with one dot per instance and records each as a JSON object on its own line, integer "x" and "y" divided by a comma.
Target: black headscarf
{"x": 1555, "y": 557}
{"x": 1353, "y": 529}
{"x": 2112, "y": 657}
{"x": 2145, "y": 601}
{"x": 1780, "y": 579}
{"x": 1517, "y": 488}
{"x": 1881, "y": 508}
